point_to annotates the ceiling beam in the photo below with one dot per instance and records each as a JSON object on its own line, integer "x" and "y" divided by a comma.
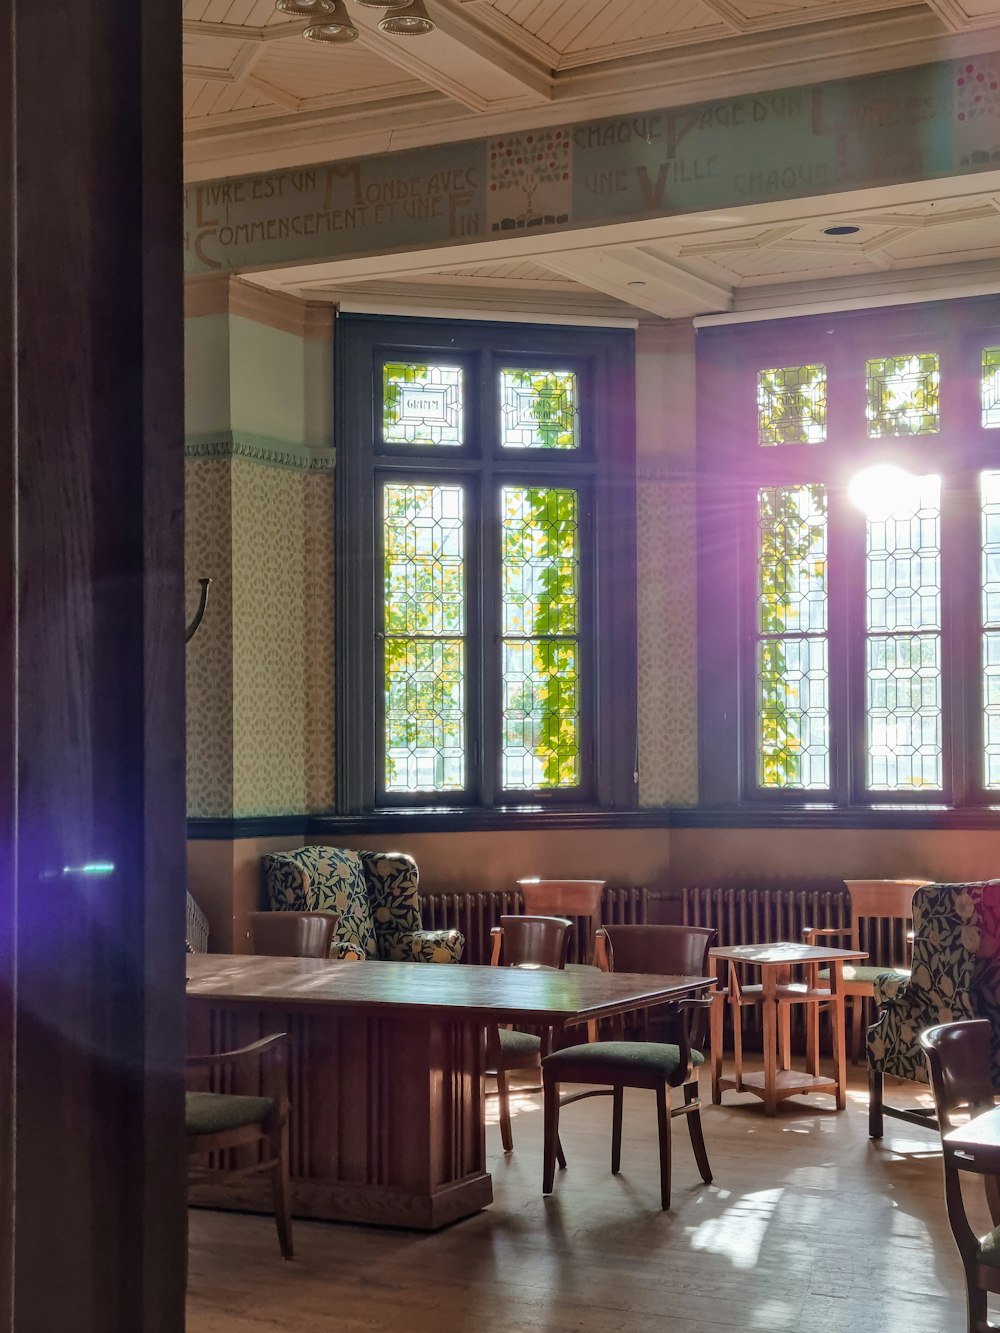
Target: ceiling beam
{"x": 634, "y": 275}
{"x": 462, "y": 60}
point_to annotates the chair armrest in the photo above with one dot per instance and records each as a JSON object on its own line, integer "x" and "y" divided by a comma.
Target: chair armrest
{"x": 810, "y": 934}
{"x": 254, "y": 1051}
{"x": 430, "y": 946}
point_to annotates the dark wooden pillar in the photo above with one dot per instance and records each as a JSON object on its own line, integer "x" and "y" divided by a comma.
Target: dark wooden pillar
{"x": 91, "y": 667}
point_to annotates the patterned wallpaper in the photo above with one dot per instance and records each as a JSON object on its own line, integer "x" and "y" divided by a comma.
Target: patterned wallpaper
{"x": 209, "y": 655}
{"x": 668, "y": 681}
{"x": 260, "y": 686}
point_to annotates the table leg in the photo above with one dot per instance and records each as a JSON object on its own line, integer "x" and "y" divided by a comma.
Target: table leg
{"x": 838, "y": 1026}
{"x": 716, "y": 1017}
{"x": 784, "y": 1036}
{"x": 769, "y": 1007}
{"x": 812, "y": 1039}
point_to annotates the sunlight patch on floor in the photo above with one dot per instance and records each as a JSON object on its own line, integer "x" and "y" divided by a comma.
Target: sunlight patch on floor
{"x": 739, "y": 1233}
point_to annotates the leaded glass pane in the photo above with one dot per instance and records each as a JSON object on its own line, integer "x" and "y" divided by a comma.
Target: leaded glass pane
{"x": 424, "y": 715}
{"x": 990, "y": 569}
{"x": 991, "y": 707}
{"x": 540, "y": 550}
{"x": 538, "y": 409}
{"x": 793, "y": 712}
{"x": 791, "y": 583}
{"x": 541, "y": 714}
{"x": 991, "y": 386}
{"x": 425, "y": 613}
{"x": 791, "y": 405}
{"x": 540, "y": 553}
{"x": 903, "y": 395}
{"x": 990, "y": 575}
{"x": 422, "y": 404}
{"x": 903, "y": 690}
{"x": 904, "y": 562}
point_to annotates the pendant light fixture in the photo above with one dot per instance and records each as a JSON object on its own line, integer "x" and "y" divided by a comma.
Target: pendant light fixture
{"x": 411, "y": 20}
{"x": 303, "y": 9}
{"x": 401, "y": 18}
{"x": 336, "y": 26}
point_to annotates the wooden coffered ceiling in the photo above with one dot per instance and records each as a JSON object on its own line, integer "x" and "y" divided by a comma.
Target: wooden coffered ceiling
{"x": 258, "y": 96}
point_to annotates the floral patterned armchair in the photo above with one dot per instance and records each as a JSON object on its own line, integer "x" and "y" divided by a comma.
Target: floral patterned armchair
{"x": 374, "y": 895}
{"x": 955, "y": 975}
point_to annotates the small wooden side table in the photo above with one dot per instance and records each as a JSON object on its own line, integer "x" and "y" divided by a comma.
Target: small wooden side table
{"x": 775, "y": 996}
{"x": 977, "y": 1143}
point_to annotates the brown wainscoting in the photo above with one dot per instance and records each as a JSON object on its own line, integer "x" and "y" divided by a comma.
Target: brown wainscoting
{"x": 475, "y": 914}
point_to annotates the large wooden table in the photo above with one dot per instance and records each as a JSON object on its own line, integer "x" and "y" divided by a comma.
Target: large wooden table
{"x": 387, "y": 1059}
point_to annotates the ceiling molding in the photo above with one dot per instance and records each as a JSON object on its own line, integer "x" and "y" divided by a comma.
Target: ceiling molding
{"x": 243, "y": 61}
{"x": 790, "y": 17}
{"x": 957, "y": 18}
{"x": 280, "y": 96}
{"x": 273, "y": 32}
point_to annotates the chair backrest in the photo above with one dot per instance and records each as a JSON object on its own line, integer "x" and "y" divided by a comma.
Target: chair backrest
{"x": 666, "y": 950}
{"x": 531, "y": 941}
{"x": 566, "y": 897}
{"x": 878, "y": 903}
{"x": 958, "y": 1055}
{"x": 292, "y": 934}
{"x": 325, "y": 879}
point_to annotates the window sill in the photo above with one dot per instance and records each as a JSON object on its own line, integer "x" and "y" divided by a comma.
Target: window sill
{"x": 329, "y": 827}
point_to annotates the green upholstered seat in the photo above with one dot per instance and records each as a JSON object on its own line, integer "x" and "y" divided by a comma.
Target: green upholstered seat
{"x": 519, "y": 1043}
{"x": 857, "y": 972}
{"x": 597, "y": 1058}
{"x": 219, "y": 1112}
{"x": 989, "y": 1249}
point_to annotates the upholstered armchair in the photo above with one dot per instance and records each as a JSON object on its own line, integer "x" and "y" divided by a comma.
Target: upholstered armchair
{"x": 955, "y": 975}
{"x": 374, "y": 895}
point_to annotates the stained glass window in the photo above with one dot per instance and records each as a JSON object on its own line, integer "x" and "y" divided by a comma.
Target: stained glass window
{"x": 540, "y": 554}
{"x": 538, "y": 409}
{"x": 904, "y": 395}
{"x": 792, "y": 687}
{"x": 991, "y": 386}
{"x": 791, "y": 405}
{"x": 903, "y": 656}
{"x": 422, "y": 404}
{"x": 990, "y": 575}
{"x": 425, "y": 623}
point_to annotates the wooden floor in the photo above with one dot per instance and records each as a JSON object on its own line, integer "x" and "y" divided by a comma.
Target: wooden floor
{"x": 807, "y": 1226}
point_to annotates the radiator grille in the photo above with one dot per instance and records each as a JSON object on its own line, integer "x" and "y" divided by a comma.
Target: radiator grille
{"x": 745, "y": 915}
{"x": 475, "y": 914}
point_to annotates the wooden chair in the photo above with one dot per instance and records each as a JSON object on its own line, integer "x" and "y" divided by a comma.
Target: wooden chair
{"x": 959, "y": 1058}
{"x": 532, "y": 942}
{"x": 219, "y": 1121}
{"x": 292, "y": 934}
{"x": 879, "y": 903}
{"x": 659, "y": 1066}
{"x": 578, "y": 898}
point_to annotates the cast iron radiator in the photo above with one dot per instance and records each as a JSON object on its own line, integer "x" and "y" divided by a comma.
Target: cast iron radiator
{"x": 756, "y": 914}
{"x": 474, "y": 914}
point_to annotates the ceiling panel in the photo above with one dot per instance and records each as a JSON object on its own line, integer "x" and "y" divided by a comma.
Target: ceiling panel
{"x": 310, "y": 70}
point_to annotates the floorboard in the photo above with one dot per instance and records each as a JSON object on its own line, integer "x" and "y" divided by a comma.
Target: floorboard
{"x": 806, "y": 1225}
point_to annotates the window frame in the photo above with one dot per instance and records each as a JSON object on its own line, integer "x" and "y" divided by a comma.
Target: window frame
{"x": 732, "y": 467}
{"x": 602, "y": 470}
